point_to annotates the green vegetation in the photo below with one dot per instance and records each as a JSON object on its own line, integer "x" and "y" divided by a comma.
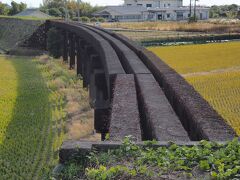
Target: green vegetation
{"x": 208, "y": 160}
{"x": 213, "y": 70}
{"x": 14, "y": 9}
{"x": 225, "y": 11}
{"x": 57, "y": 8}
{"x": 25, "y": 18}
{"x": 35, "y": 100}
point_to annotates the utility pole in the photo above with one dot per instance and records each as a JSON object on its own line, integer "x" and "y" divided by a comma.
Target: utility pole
{"x": 195, "y": 3}
{"x": 66, "y": 10}
{"x": 79, "y": 2}
{"x": 190, "y": 9}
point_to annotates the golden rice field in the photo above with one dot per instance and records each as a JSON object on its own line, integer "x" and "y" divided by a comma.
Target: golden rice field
{"x": 213, "y": 70}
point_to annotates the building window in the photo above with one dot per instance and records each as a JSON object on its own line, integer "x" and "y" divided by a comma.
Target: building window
{"x": 129, "y": 4}
{"x": 150, "y": 16}
{"x": 149, "y": 5}
{"x": 132, "y": 17}
{"x": 179, "y": 16}
{"x": 169, "y": 5}
{"x": 164, "y": 5}
{"x": 168, "y": 15}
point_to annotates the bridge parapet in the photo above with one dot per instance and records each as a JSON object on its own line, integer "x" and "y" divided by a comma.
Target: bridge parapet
{"x": 133, "y": 92}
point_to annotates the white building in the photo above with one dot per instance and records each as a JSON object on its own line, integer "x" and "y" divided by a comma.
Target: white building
{"x": 152, "y": 10}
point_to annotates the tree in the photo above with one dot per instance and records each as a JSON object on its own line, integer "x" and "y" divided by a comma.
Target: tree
{"x": 226, "y": 11}
{"x": 63, "y": 11}
{"x": 22, "y": 6}
{"x": 72, "y": 5}
{"x": 3, "y": 9}
{"x": 233, "y": 7}
{"x": 238, "y": 15}
{"x": 17, "y": 8}
{"x": 214, "y": 12}
{"x": 55, "y": 12}
{"x": 14, "y": 9}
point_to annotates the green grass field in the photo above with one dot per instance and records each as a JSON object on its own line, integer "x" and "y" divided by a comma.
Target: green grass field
{"x": 213, "y": 70}
{"x": 34, "y": 97}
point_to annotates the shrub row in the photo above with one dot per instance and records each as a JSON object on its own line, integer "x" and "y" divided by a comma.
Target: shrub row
{"x": 87, "y": 19}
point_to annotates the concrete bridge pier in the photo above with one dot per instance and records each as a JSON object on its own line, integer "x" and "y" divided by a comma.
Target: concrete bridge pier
{"x": 72, "y": 52}
{"x": 102, "y": 105}
{"x": 87, "y": 51}
{"x": 95, "y": 68}
{"x": 79, "y": 43}
{"x": 65, "y": 46}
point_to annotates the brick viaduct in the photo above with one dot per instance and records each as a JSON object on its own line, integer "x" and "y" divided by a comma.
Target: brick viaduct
{"x": 133, "y": 92}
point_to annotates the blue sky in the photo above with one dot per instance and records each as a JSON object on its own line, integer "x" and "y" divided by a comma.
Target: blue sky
{"x": 36, "y": 3}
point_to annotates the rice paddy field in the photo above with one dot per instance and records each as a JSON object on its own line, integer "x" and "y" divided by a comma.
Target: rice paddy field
{"x": 213, "y": 70}
{"x": 35, "y": 95}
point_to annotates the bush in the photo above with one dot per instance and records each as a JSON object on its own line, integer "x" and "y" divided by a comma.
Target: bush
{"x": 54, "y": 43}
{"x": 100, "y": 19}
{"x": 84, "y": 19}
{"x": 93, "y": 19}
{"x": 54, "y": 12}
{"x": 238, "y": 15}
{"x": 75, "y": 18}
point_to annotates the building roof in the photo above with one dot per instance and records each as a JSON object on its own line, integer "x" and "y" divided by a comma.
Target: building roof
{"x": 33, "y": 12}
{"x": 122, "y": 10}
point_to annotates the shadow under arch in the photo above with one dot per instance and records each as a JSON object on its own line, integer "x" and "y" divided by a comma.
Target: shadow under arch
{"x": 26, "y": 148}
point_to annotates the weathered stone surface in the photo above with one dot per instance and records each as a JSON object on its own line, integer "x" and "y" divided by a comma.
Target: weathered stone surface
{"x": 118, "y": 56}
{"x": 198, "y": 117}
{"x": 71, "y": 149}
{"x": 72, "y": 53}
{"x": 130, "y": 61}
{"x": 65, "y": 46}
{"x": 159, "y": 120}
{"x": 125, "y": 118}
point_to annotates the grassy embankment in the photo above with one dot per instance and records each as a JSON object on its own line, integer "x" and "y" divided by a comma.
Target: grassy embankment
{"x": 37, "y": 99}
{"x": 27, "y": 18}
{"x": 213, "y": 70}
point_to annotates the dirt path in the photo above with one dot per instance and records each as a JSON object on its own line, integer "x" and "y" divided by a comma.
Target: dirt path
{"x": 216, "y": 71}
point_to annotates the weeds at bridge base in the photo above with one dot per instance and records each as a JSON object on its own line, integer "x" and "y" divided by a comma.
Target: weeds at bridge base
{"x": 208, "y": 160}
